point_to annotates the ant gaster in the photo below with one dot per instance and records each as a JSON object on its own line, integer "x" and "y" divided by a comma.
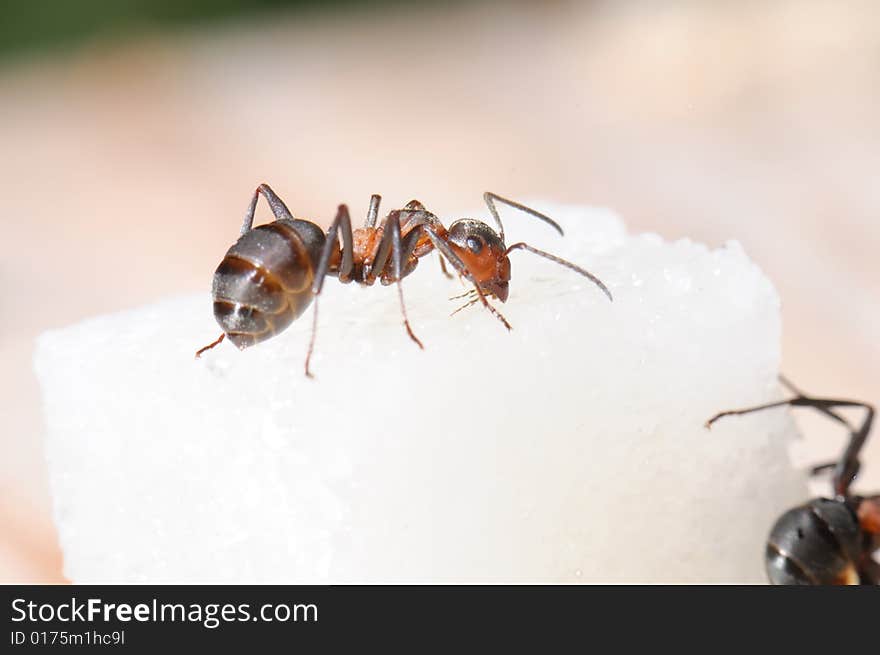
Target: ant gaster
{"x": 826, "y": 540}
{"x": 273, "y": 272}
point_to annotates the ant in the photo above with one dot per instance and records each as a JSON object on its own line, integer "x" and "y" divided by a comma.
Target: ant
{"x": 273, "y": 272}
{"x": 826, "y": 540}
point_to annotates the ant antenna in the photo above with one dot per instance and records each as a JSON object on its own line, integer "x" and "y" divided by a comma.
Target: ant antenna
{"x": 490, "y": 199}
{"x": 562, "y": 262}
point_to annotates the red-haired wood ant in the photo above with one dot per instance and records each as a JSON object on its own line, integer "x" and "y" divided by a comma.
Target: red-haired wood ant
{"x": 273, "y": 272}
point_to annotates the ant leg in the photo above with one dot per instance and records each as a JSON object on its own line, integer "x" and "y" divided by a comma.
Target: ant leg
{"x": 489, "y": 198}
{"x": 279, "y": 209}
{"x": 391, "y": 241}
{"x": 410, "y": 222}
{"x": 373, "y": 211}
{"x": 819, "y": 468}
{"x": 312, "y": 339}
{"x": 210, "y": 345}
{"x": 416, "y": 206}
{"x": 415, "y": 215}
{"x": 343, "y": 221}
{"x": 441, "y": 245}
{"x": 408, "y": 247}
{"x": 788, "y": 384}
{"x": 442, "y": 261}
{"x": 492, "y": 310}
{"x": 847, "y": 467}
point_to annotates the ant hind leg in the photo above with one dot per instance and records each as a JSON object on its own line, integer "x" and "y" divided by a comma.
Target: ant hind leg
{"x": 279, "y": 209}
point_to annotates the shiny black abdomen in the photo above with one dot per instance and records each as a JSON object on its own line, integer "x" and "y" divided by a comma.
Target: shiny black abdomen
{"x": 264, "y": 282}
{"x": 814, "y": 544}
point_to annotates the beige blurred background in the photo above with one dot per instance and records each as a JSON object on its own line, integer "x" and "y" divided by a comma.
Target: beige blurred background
{"x": 127, "y": 162}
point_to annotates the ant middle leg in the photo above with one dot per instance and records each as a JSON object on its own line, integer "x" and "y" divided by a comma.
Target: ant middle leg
{"x": 399, "y": 250}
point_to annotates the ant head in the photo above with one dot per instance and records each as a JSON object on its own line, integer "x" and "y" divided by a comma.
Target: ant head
{"x": 483, "y": 252}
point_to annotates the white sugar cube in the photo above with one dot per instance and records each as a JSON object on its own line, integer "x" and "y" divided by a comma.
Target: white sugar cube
{"x": 571, "y": 449}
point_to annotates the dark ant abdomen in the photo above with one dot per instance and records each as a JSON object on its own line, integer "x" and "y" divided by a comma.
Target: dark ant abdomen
{"x": 814, "y": 544}
{"x": 264, "y": 282}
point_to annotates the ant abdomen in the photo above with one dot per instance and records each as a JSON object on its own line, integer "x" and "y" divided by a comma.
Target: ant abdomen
{"x": 264, "y": 282}
{"x": 817, "y": 543}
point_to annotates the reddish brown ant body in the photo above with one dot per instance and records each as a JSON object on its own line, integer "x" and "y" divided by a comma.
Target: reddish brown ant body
{"x": 273, "y": 272}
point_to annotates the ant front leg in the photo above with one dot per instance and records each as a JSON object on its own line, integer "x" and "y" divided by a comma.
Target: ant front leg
{"x": 443, "y": 268}
{"x": 418, "y": 215}
{"x": 440, "y": 244}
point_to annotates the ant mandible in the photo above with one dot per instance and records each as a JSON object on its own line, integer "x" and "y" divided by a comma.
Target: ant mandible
{"x": 826, "y": 540}
{"x": 274, "y": 271}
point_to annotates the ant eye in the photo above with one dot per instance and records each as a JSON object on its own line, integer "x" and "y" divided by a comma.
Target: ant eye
{"x": 475, "y": 244}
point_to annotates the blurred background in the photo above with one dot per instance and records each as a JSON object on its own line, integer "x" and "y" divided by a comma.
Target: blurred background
{"x": 133, "y": 133}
